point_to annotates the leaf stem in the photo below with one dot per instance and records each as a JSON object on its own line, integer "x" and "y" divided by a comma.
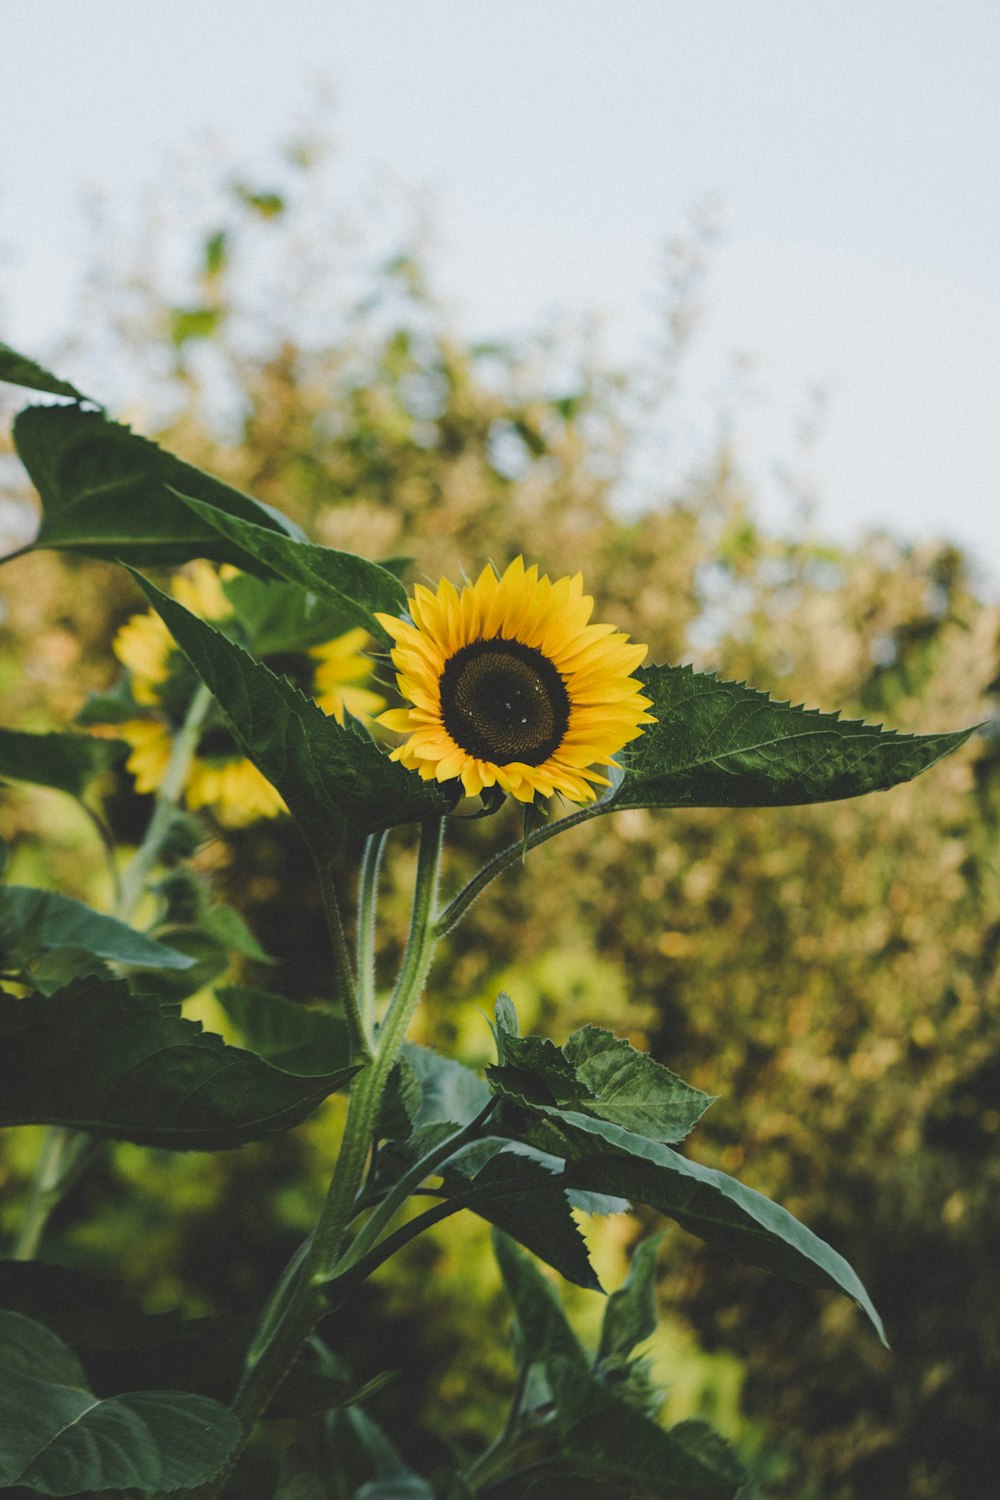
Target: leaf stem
{"x": 408, "y": 1183}
{"x": 367, "y": 902}
{"x": 346, "y": 987}
{"x": 300, "y": 1300}
{"x": 61, "y": 1155}
{"x": 366, "y": 1095}
{"x": 456, "y": 909}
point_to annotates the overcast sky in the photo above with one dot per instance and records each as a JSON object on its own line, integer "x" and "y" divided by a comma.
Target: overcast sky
{"x": 853, "y": 145}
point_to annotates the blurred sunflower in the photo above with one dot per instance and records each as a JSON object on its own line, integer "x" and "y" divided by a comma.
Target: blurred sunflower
{"x": 220, "y": 778}
{"x": 510, "y": 686}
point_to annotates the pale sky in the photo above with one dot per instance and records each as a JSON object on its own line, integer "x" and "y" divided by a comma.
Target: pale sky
{"x": 853, "y": 146}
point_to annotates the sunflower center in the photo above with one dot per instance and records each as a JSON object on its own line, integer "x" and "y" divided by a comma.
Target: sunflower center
{"x": 503, "y": 701}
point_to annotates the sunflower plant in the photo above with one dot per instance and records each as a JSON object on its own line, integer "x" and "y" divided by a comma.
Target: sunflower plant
{"x": 255, "y": 686}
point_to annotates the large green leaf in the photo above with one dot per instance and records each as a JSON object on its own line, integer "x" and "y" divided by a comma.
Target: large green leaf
{"x": 723, "y": 744}
{"x": 58, "y": 1438}
{"x": 336, "y": 781}
{"x": 718, "y": 1209}
{"x": 354, "y": 585}
{"x": 18, "y": 369}
{"x": 97, "y": 1058}
{"x": 611, "y": 1449}
{"x": 451, "y": 1093}
{"x": 33, "y": 922}
{"x": 108, "y": 493}
{"x": 524, "y": 1194}
{"x": 294, "y": 1037}
{"x": 123, "y": 1349}
{"x": 571, "y": 1434}
{"x": 67, "y": 762}
{"x": 597, "y": 1073}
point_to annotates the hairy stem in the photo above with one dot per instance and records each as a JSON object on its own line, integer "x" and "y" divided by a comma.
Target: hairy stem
{"x": 367, "y": 901}
{"x": 346, "y": 987}
{"x": 456, "y": 909}
{"x": 300, "y": 1300}
{"x": 409, "y": 1182}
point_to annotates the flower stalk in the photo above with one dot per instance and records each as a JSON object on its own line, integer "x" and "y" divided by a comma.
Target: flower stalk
{"x": 301, "y": 1298}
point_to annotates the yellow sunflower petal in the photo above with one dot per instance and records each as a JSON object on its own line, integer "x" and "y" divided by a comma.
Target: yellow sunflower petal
{"x": 508, "y": 684}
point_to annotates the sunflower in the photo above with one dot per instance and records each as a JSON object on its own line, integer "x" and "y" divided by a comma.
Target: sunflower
{"x": 219, "y": 777}
{"x": 509, "y": 686}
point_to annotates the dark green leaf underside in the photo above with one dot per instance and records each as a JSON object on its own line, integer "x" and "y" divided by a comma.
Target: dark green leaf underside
{"x": 97, "y": 1058}
{"x": 354, "y": 585}
{"x": 108, "y": 493}
{"x": 66, "y": 762}
{"x": 58, "y": 1438}
{"x": 33, "y": 922}
{"x": 337, "y": 783}
{"x": 604, "y": 1158}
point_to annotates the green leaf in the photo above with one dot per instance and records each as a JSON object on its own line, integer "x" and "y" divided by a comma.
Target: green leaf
{"x": 450, "y": 1093}
{"x": 57, "y": 1438}
{"x": 17, "y": 369}
{"x": 108, "y": 493}
{"x": 357, "y": 587}
{"x": 628, "y": 1088}
{"x": 400, "y": 1104}
{"x": 360, "y": 1461}
{"x": 630, "y": 1312}
{"x": 572, "y": 1435}
{"x": 337, "y": 782}
{"x": 97, "y": 1058}
{"x": 523, "y": 1193}
{"x": 623, "y": 1452}
{"x": 723, "y": 744}
{"x": 33, "y": 922}
{"x": 597, "y": 1073}
{"x": 604, "y": 1158}
{"x": 542, "y": 1330}
{"x": 122, "y": 1348}
{"x": 293, "y": 1037}
{"x": 208, "y": 963}
{"x": 188, "y": 899}
{"x": 193, "y": 323}
{"x": 283, "y": 617}
{"x": 67, "y": 762}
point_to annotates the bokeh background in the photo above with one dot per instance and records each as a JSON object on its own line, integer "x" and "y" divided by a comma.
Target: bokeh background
{"x": 699, "y": 299}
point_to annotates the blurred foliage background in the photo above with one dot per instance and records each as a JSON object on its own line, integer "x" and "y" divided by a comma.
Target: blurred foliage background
{"x": 830, "y": 972}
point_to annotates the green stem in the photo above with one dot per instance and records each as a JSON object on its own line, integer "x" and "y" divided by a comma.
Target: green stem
{"x": 345, "y": 986}
{"x": 456, "y": 909}
{"x": 407, "y": 1185}
{"x": 367, "y": 901}
{"x": 136, "y": 872}
{"x": 63, "y": 1150}
{"x": 300, "y": 1300}
{"x": 366, "y": 1096}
